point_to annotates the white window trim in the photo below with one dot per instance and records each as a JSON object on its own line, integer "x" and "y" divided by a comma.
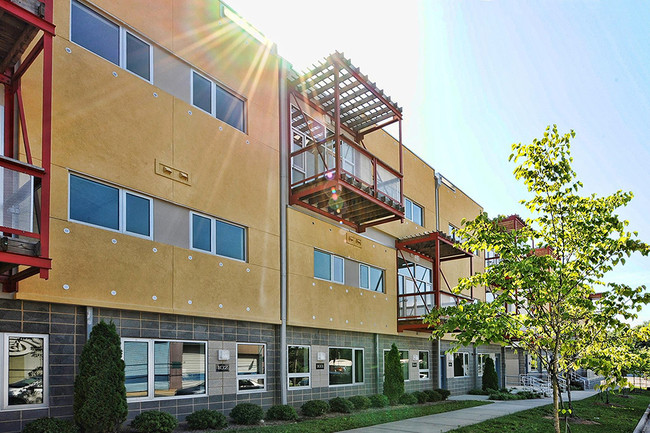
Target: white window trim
{"x": 410, "y": 203}
{"x": 121, "y": 207}
{"x": 428, "y": 369}
{"x": 151, "y": 371}
{"x": 290, "y": 375}
{"x": 367, "y": 272}
{"x": 332, "y": 256}
{"x": 213, "y": 100}
{"x": 354, "y": 371}
{"x": 121, "y": 42}
{"x": 408, "y": 364}
{"x": 249, "y": 376}
{"x": 213, "y": 237}
{"x": 465, "y": 364}
{"x": 4, "y": 362}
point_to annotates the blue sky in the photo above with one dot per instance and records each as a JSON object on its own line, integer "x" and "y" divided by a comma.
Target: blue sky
{"x": 474, "y": 77}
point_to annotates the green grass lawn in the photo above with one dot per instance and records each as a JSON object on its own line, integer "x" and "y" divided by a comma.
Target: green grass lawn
{"x": 364, "y": 419}
{"x": 621, "y": 416}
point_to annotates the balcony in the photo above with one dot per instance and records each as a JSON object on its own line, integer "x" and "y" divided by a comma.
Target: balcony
{"x": 421, "y": 289}
{"x": 24, "y": 183}
{"x": 333, "y": 108}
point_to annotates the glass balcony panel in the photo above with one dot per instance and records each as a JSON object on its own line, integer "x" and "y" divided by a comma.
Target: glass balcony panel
{"x": 17, "y": 200}
{"x": 388, "y": 183}
{"x": 356, "y": 163}
{"x": 447, "y": 300}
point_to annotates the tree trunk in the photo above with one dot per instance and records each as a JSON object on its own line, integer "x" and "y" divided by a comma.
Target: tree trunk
{"x": 568, "y": 390}
{"x": 556, "y": 396}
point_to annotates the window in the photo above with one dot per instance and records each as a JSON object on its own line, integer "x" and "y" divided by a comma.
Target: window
{"x": 329, "y": 267}
{"x": 299, "y": 367}
{"x": 160, "y": 368}
{"x": 110, "y": 207}
{"x": 481, "y": 362}
{"x": 24, "y": 365}
{"x": 461, "y": 364}
{"x": 217, "y": 101}
{"x": 251, "y": 371}
{"x": 345, "y": 366}
{"x": 217, "y": 237}
{"x": 404, "y": 361}
{"x": 413, "y": 212}
{"x": 371, "y": 278}
{"x": 423, "y": 364}
{"x": 109, "y": 41}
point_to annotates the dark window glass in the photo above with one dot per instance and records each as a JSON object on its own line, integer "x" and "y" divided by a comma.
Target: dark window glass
{"x": 230, "y": 240}
{"x": 230, "y": 109}
{"x": 25, "y": 370}
{"x": 95, "y": 33}
{"x": 358, "y": 366}
{"x": 179, "y": 368}
{"x": 94, "y": 203}
{"x": 322, "y": 266}
{"x": 340, "y": 365}
{"x": 417, "y": 214}
{"x": 201, "y": 233}
{"x": 459, "y": 364}
{"x": 138, "y": 57}
{"x": 298, "y": 359}
{"x": 408, "y": 212}
{"x": 136, "y": 368}
{"x": 138, "y": 215}
{"x": 201, "y": 92}
{"x": 404, "y": 360}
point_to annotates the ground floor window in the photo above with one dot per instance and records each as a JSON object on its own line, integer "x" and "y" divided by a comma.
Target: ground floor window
{"x": 345, "y": 366}
{"x": 251, "y": 367}
{"x": 299, "y": 367}
{"x": 162, "y": 368}
{"x": 461, "y": 364}
{"x": 404, "y": 361}
{"x": 23, "y": 365}
{"x": 482, "y": 357}
{"x": 423, "y": 364}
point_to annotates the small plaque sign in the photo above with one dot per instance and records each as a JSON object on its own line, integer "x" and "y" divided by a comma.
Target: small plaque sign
{"x": 353, "y": 240}
{"x": 320, "y": 366}
{"x": 415, "y": 364}
{"x": 223, "y": 367}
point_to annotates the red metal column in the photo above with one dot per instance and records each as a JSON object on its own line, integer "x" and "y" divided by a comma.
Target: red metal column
{"x": 436, "y": 273}
{"x": 337, "y": 120}
{"x": 9, "y": 121}
{"x": 401, "y": 166}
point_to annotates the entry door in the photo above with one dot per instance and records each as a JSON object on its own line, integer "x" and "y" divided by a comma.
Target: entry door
{"x": 443, "y": 371}
{"x": 497, "y": 364}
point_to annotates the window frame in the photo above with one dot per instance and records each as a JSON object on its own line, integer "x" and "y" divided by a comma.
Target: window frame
{"x": 4, "y": 369}
{"x": 213, "y": 99}
{"x": 410, "y": 204}
{"x": 213, "y": 236}
{"x": 367, "y": 272}
{"x": 332, "y": 259}
{"x": 408, "y": 361}
{"x": 151, "y": 368}
{"x": 465, "y": 364}
{"x": 251, "y": 376}
{"x": 121, "y": 207}
{"x": 293, "y": 375}
{"x": 428, "y": 369}
{"x": 121, "y": 45}
{"x": 479, "y": 364}
{"x": 354, "y": 370}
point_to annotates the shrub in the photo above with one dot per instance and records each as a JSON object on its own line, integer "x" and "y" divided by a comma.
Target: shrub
{"x": 433, "y": 395}
{"x": 99, "y": 391}
{"x": 393, "y": 377}
{"x": 153, "y": 421}
{"x": 478, "y": 391}
{"x": 529, "y": 394}
{"x": 490, "y": 378}
{"x": 443, "y": 392}
{"x": 315, "y": 408}
{"x": 340, "y": 404}
{"x": 247, "y": 413}
{"x": 408, "y": 399}
{"x": 421, "y": 396}
{"x": 205, "y": 419}
{"x": 282, "y": 412}
{"x": 379, "y": 400}
{"x": 50, "y": 425}
{"x": 360, "y": 402}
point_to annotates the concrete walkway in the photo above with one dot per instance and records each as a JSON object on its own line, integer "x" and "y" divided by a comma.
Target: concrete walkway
{"x": 448, "y": 421}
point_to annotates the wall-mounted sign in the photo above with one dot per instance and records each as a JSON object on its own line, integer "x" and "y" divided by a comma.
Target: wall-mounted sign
{"x": 320, "y": 366}
{"x": 353, "y": 240}
{"x": 223, "y": 367}
{"x": 415, "y": 364}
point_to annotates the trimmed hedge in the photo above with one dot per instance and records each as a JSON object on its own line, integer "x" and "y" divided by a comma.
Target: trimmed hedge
{"x": 205, "y": 419}
{"x": 315, "y": 408}
{"x": 247, "y": 413}
{"x": 393, "y": 376}
{"x": 50, "y": 425}
{"x": 153, "y": 421}
{"x": 360, "y": 402}
{"x": 443, "y": 392}
{"x": 282, "y": 412}
{"x": 433, "y": 395}
{"x": 421, "y": 396}
{"x": 379, "y": 400}
{"x": 342, "y": 405}
{"x": 408, "y": 399}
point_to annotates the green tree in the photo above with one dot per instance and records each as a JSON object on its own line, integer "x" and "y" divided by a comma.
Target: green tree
{"x": 393, "y": 377}
{"x": 551, "y": 289}
{"x": 99, "y": 391}
{"x": 490, "y": 378}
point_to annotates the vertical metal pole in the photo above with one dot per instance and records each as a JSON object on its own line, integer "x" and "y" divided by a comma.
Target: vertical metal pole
{"x": 9, "y": 121}
{"x": 401, "y": 166}
{"x": 436, "y": 274}
{"x": 337, "y": 119}
{"x": 284, "y": 203}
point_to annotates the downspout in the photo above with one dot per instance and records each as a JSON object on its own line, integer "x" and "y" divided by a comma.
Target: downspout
{"x": 437, "y": 196}
{"x": 378, "y": 362}
{"x": 284, "y": 202}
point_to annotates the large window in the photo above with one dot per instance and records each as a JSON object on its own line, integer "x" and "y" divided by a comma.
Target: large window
{"x": 251, "y": 370}
{"x": 214, "y": 99}
{"x": 345, "y": 366}
{"x": 217, "y": 237}
{"x": 371, "y": 278}
{"x": 24, "y": 366}
{"x": 404, "y": 362}
{"x": 109, "y": 207}
{"x": 108, "y": 40}
{"x": 329, "y": 267}
{"x": 161, "y": 368}
{"x": 423, "y": 364}
{"x": 299, "y": 367}
{"x": 413, "y": 212}
{"x": 481, "y": 362}
{"x": 461, "y": 364}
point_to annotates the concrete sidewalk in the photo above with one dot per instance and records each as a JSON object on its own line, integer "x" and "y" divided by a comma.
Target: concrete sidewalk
{"x": 447, "y": 421}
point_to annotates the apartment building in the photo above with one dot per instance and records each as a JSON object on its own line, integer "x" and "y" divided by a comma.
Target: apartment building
{"x": 253, "y": 231}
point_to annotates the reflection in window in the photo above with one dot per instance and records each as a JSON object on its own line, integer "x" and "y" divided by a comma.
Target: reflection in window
{"x": 251, "y": 371}
{"x": 298, "y": 359}
{"x": 345, "y": 366}
{"x": 94, "y": 203}
{"x": 423, "y": 364}
{"x": 136, "y": 368}
{"x": 25, "y": 370}
{"x": 461, "y": 364}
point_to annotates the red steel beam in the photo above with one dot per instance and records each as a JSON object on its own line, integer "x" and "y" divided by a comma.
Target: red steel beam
{"x": 20, "y": 259}
{"x": 28, "y": 60}
{"x": 23, "y": 123}
{"x": 23, "y": 14}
